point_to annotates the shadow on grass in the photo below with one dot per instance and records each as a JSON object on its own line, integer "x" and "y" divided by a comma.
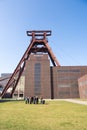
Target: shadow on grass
{"x": 15, "y": 100}
{"x": 10, "y": 100}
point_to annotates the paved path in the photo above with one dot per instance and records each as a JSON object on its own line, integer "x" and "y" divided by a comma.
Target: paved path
{"x": 76, "y": 101}
{"x": 70, "y": 100}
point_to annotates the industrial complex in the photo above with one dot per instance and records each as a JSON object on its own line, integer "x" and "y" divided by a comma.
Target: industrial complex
{"x": 40, "y": 74}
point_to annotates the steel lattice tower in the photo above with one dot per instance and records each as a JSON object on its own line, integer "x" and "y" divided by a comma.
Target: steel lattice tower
{"x": 38, "y": 43}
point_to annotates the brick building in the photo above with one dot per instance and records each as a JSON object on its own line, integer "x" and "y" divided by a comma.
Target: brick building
{"x": 82, "y": 81}
{"x": 65, "y": 81}
{"x": 37, "y": 76}
{"x": 34, "y": 76}
{"x": 53, "y": 82}
{"x": 41, "y": 79}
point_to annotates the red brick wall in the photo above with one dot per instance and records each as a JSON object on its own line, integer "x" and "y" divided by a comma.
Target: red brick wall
{"x": 56, "y": 82}
{"x": 83, "y": 87}
{"x": 65, "y": 81}
{"x": 45, "y": 76}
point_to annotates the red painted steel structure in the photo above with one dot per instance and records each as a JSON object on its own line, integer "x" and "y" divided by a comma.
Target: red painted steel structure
{"x": 38, "y": 44}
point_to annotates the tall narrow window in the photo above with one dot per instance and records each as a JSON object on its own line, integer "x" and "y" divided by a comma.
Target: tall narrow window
{"x": 37, "y": 79}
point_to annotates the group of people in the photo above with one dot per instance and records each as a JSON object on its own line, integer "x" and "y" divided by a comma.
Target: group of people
{"x": 34, "y": 100}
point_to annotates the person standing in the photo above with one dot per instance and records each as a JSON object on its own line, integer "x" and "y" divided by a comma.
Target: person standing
{"x": 37, "y": 100}
{"x": 28, "y": 100}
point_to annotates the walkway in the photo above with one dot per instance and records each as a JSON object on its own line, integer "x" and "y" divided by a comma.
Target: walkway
{"x": 76, "y": 101}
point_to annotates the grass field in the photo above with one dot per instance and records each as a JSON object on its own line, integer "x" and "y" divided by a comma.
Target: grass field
{"x": 54, "y": 115}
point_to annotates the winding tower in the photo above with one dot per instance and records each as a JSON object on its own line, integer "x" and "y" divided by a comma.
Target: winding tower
{"x": 38, "y": 45}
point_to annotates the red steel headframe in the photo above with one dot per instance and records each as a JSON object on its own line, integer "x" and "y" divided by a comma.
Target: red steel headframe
{"x": 38, "y": 38}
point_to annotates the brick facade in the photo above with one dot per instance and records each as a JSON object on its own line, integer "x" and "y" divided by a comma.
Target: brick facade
{"x": 83, "y": 87}
{"x": 53, "y": 82}
{"x": 30, "y": 76}
{"x": 65, "y": 81}
{"x": 41, "y": 79}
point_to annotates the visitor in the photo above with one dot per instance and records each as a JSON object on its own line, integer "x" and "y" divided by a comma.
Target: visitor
{"x": 31, "y": 99}
{"x": 37, "y": 100}
{"x": 41, "y": 100}
{"x": 34, "y": 100}
{"x": 26, "y": 100}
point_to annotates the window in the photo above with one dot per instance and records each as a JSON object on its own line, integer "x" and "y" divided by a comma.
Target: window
{"x": 37, "y": 79}
{"x": 70, "y": 71}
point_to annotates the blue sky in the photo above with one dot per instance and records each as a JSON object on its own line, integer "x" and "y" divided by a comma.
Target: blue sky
{"x": 66, "y": 18}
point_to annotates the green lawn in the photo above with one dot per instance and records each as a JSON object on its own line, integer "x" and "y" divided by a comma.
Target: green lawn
{"x": 54, "y": 115}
